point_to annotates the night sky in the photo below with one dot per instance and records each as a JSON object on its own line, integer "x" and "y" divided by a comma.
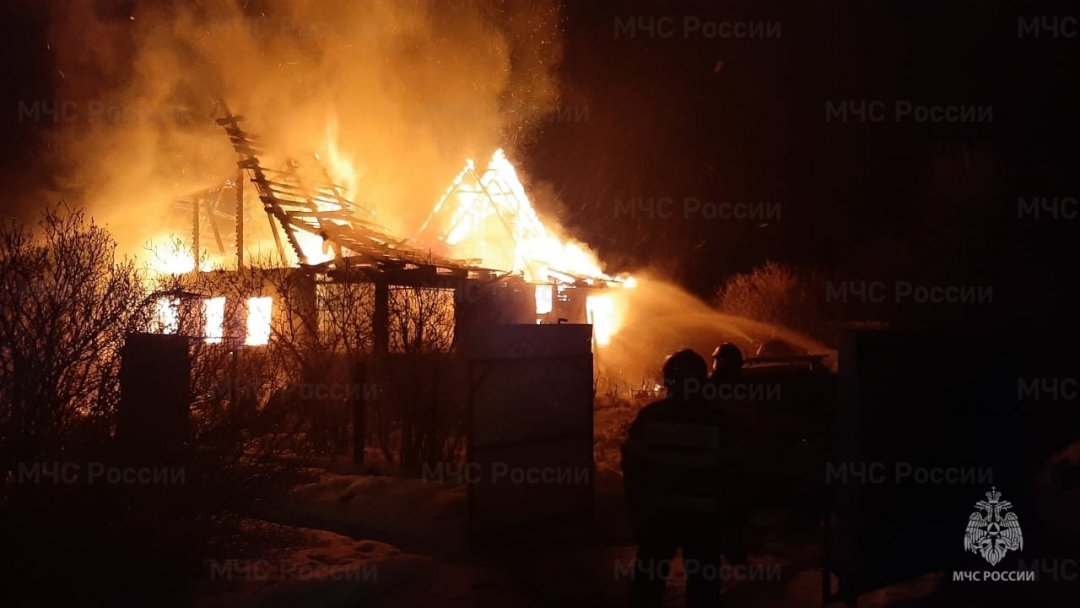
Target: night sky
{"x": 744, "y": 120}
{"x": 888, "y": 199}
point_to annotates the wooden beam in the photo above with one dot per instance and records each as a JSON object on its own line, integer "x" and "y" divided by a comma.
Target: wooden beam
{"x": 381, "y": 318}
{"x": 239, "y": 219}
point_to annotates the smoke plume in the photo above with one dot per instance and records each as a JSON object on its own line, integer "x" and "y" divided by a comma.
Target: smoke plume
{"x": 392, "y": 94}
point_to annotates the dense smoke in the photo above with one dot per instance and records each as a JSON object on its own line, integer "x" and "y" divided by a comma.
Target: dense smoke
{"x": 392, "y": 94}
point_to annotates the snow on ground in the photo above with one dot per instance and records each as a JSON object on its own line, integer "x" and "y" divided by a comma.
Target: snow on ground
{"x": 407, "y": 511}
{"x": 610, "y": 424}
{"x": 306, "y": 567}
{"x": 432, "y": 515}
{"x": 327, "y": 569}
{"x": 784, "y": 567}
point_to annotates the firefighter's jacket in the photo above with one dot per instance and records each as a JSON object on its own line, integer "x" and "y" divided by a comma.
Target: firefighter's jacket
{"x": 678, "y": 458}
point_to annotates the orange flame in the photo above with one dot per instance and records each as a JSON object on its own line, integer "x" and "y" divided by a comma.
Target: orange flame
{"x": 492, "y": 219}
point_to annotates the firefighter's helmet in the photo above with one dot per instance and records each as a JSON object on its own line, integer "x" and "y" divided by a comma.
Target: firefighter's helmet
{"x": 682, "y": 366}
{"x": 728, "y": 355}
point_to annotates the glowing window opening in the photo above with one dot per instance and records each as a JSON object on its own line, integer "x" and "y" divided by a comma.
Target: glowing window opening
{"x": 214, "y": 312}
{"x": 258, "y": 321}
{"x": 543, "y": 299}
{"x": 167, "y": 315}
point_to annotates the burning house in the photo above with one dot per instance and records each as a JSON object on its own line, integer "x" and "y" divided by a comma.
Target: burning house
{"x": 423, "y": 334}
{"x": 482, "y": 257}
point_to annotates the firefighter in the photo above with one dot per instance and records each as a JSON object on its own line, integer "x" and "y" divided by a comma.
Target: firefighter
{"x": 673, "y": 463}
{"x": 728, "y": 393}
{"x": 727, "y": 364}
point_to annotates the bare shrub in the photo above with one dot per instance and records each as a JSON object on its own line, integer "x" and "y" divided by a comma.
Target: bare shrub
{"x": 780, "y": 295}
{"x": 66, "y": 302}
{"x": 421, "y": 319}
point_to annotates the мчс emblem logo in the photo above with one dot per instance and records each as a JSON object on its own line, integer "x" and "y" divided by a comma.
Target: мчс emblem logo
{"x": 991, "y": 532}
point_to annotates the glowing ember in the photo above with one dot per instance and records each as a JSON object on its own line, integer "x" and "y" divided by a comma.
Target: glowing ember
{"x": 214, "y": 312}
{"x": 258, "y": 321}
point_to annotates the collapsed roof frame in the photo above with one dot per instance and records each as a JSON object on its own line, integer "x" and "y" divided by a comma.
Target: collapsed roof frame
{"x": 323, "y": 210}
